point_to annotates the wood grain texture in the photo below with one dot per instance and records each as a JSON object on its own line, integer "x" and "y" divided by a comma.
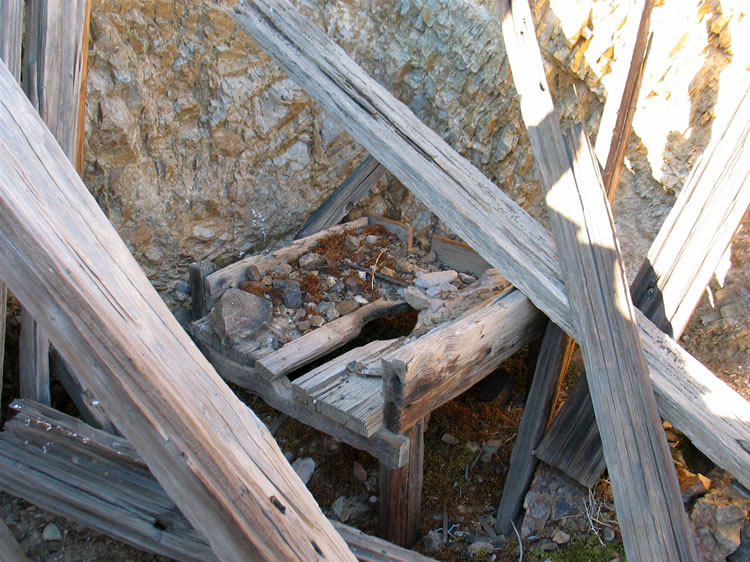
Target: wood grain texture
{"x": 390, "y": 448}
{"x": 652, "y": 519}
{"x": 11, "y": 33}
{"x": 66, "y": 262}
{"x": 497, "y": 228}
{"x": 138, "y": 511}
{"x": 323, "y": 340}
{"x": 198, "y": 272}
{"x": 10, "y": 550}
{"x": 686, "y": 252}
{"x": 401, "y": 493}
{"x": 33, "y": 360}
{"x": 554, "y": 355}
{"x": 343, "y": 198}
{"x": 429, "y": 371}
{"x": 458, "y": 255}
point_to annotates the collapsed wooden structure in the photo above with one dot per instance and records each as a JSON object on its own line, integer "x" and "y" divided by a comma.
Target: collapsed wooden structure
{"x": 68, "y": 267}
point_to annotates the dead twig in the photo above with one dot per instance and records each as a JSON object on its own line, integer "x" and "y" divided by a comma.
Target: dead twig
{"x": 520, "y": 544}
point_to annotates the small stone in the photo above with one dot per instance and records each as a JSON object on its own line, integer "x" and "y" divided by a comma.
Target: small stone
{"x": 373, "y": 499}
{"x": 238, "y": 314}
{"x": 561, "y": 537}
{"x": 283, "y": 269}
{"x": 291, "y": 294}
{"x": 332, "y": 314}
{"x": 316, "y": 320}
{"x": 388, "y": 271}
{"x": 253, "y": 273}
{"x": 371, "y": 239}
{"x": 490, "y": 448}
{"x": 449, "y": 439}
{"x": 481, "y": 546}
{"x": 304, "y": 469}
{"x": 267, "y": 280}
{"x": 342, "y": 509}
{"x": 404, "y": 266}
{"x": 466, "y": 279}
{"x": 345, "y": 307}
{"x": 360, "y": 299}
{"x": 546, "y": 545}
{"x": 303, "y": 325}
{"x": 435, "y": 278}
{"x": 433, "y": 541}
{"x": 311, "y": 261}
{"x": 351, "y": 243}
{"x": 51, "y": 533}
{"x": 416, "y": 298}
{"x": 608, "y": 534}
{"x": 359, "y": 472}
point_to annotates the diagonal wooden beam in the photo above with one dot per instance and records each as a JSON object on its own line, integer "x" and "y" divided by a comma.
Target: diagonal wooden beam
{"x": 214, "y": 458}
{"x": 496, "y": 227}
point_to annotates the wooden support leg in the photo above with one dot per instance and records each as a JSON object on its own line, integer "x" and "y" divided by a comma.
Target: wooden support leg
{"x": 401, "y": 493}
{"x": 33, "y": 360}
{"x": 555, "y": 352}
{"x": 3, "y": 311}
{"x": 198, "y": 272}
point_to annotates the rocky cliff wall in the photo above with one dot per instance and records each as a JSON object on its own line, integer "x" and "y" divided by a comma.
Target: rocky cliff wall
{"x": 199, "y": 147}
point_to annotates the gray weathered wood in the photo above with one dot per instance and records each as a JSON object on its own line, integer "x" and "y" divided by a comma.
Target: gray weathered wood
{"x": 458, "y": 255}
{"x": 130, "y": 505}
{"x": 11, "y": 33}
{"x": 622, "y": 97}
{"x": 686, "y": 252}
{"x": 390, "y": 448}
{"x": 652, "y": 519}
{"x": 325, "y": 339}
{"x": 428, "y": 372}
{"x": 198, "y": 272}
{"x": 554, "y": 354}
{"x": 10, "y": 550}
{"x": 401, "y": 493}
{"x": 341, "y": 201}
{"x": 64, "y": 260}
{"x": 33, "y": 360}
{"x": 611, "y": 142}
{"x": 501, "y": 232}
{"x": 231, "y": 275}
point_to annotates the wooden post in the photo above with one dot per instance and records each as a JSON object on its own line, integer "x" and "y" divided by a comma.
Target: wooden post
{"x": 10, "y": 550}
{"x": 33, "y": 364}
{"x": 652, "y": 519}
{"x": 401, "y": 493}
{"x": 612, "y": 140}
{"x": 214, "y": 458}
{"x": 495, "y": 226}
{"x": 340, "y": 202}
{"x": 671, "y": 280}
{"x": 198, "y": 273}
{"x": 11, "y": 32}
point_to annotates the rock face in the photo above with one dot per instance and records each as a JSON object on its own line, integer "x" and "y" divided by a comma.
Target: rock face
{"x": 198, "y": 147}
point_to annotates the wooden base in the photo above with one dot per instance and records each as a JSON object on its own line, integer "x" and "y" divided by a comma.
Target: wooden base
{"x": 401, "y": 494}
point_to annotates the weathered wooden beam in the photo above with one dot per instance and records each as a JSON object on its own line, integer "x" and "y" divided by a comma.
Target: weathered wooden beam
{"x": 554, "y": 354}
{"x": 325, "y": 339}
{"x": 66, "y": 263}
{"x": 611, "y": 142}
{"x": 401, "y": 493}
{"x": 10, "y": 550}
{"x": 458, "y": 255}
{"x": 501, "y": 232}
{"x": 33, "y": 360}
{"x": 622, "y": 97}
{"x": 198, "y": 272}
{"x": 131, "y": 506}
{"x": 341, "y": 201}
{"x": 431, "y": 370}
{"x": 686, "y": 252}
{"x": 652, "y": 519}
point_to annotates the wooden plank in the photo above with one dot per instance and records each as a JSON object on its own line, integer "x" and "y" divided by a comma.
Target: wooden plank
{"x": 652, "y": 519}
{"x": 150, "y": 520}
{"x": 429, "y": 371}
{"x": 11, "y": 33}
{"x": 343, "y": 198}
{"x": 401, "y": 493}
{"x": 392, "y": 449}
{"x": 705, "y": 216}
{"x": 198, "y": 272}
{"x": 10, "y": 550}
{"x": 33, "y": 360}
{"x": 231, "y": 275}
{"x": 66, "y": 263}
{"x": 501, "y": 232}
{"x": 458, "y": 255}
{"x": 555, "y": 352}
{"x": 612, "y": 140}
{"x": 325, "y": 339}
{"x": 622, "y": 97}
